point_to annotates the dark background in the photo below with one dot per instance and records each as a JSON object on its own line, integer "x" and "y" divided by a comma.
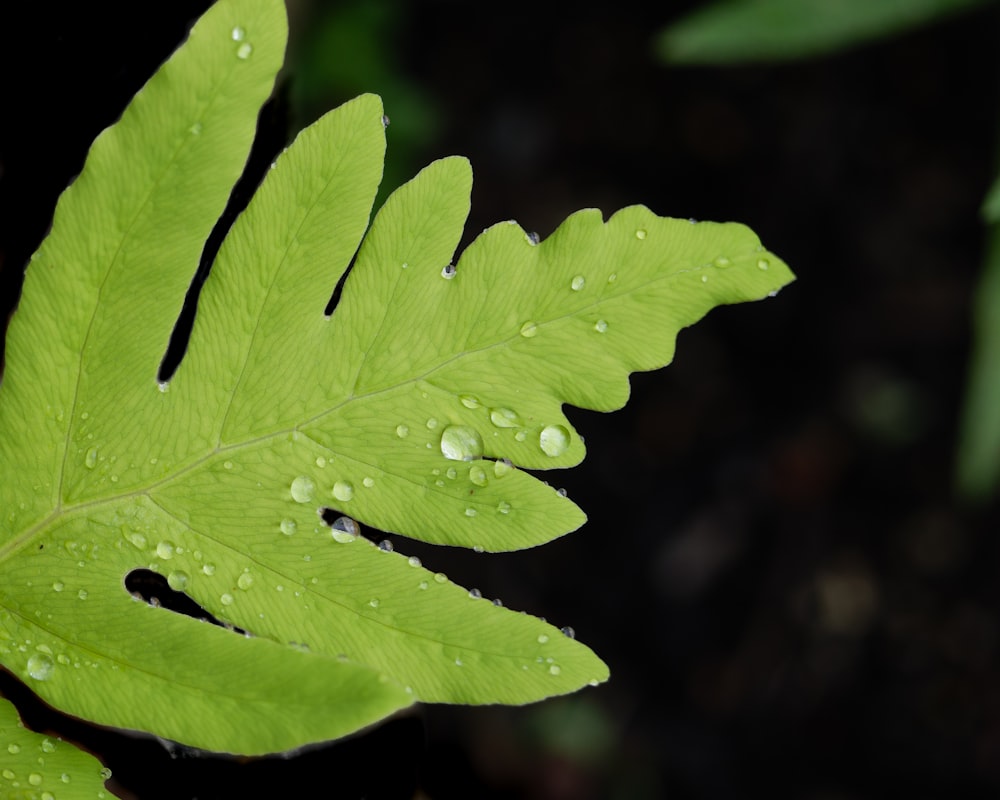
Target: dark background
{"x": 790, "y": 598}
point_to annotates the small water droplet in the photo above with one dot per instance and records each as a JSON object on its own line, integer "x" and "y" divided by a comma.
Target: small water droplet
{"x": 226, "y": 599}
{"x": 422, "y": 585}
{"x": 578, "y": 283}
{"x": 504, "y": 418}
{"x": 722, "y": 262}
{"x": 320, "y": 462}
{"x": 13, "y": 749}
{"x": 244, "y": 50}
{"x": 8, "y": 774}
{"x": 478, "y": 475}
{"x": 704, "y": 278}
{"x": 554, "y": 669}
{"x": 302, "y": 489}
{"x": 165, "y": 550}
{"x": 432, "y": 423}
{"x": 239, "y": 34}
{"x": 468, "y": 400}
{"x": 498, "y": 602}
{"x": 554, "y": 440}
{"x": 385, "y": 546}
{"x": 413, "y": 561}
{"x": 440, "y": 577}
{"x": 640, "y": 234}
{"x": 35, "y": 779}
{"x": 503, "y": 507}
{"x": 90, "y": 460}
{"x": 569, "y": 632}
{"x": 163, "y": 386}
{"x": 288, "y": 527}
{"x": 343, "y": 490}
{"x": 533, "y": 237}
{"x": 470, "y": 512}
{"x": 58, "y": 586}
{"x": 374, "y": 602}
{"x": 402, "y": 431}
{"x": 612, "y": 277}
{"x": 208, "y": 569}
{"x": 227, "y": 464}
{"x": 245, "y": 581}
{"x": 368, "y": 483}
{"x": 763, "y": 263}
{"x": 406, "y": 265}
{"x": 344, "y": 530}
{"x": 529, "y": 329}
{"x": 177, "y": 580}
{"x": 542, "y": 638}
{"x": 501, "y": 467}
{"x": 385, "y": 120}
{"x": 48, "y": 746}
{"x": 452, "y": 473}
{"x": 461, "y": 443}
{"x": 600, "y": 326}
{"x": 82, "y": 594}
{"x": 195, "y": 129}
{"x": 40, "y": 667}
{"x": 521, "y": 435}
{"x": 448, "y": 271}
{"x": 475, "y": 594}
{"x": 64, "y": 778}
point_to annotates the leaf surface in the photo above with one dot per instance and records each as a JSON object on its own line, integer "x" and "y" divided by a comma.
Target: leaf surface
{"x": 419, "y": 406}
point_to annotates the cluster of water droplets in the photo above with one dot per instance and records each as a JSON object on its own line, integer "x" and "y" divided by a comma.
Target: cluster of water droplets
{"x": 37, "y": 781}
{"x": 243, "y": 48}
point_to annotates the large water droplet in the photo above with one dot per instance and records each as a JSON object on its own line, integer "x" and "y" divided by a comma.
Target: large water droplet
{"x": 385, "y": 546}
{"x": 529, "y": 329}
{"x": 90, "y": 460}
{"x": 41, "y": 666}
{"x": 504, "y": 418}
{"x": 577, "y": 283}
{"x": 478, "y": 475}
{"x": 461, "y": 443}
{"x": 177, "y": 580}
{"x": 343, "y": 490}
{"x": 413, "y": 561}
{"x": 288, "y": 526}
{"x": 245, "y": 581}
{"x": 165, "y": 550}
{"x": 302, "y": 489}
{"x": 554, "y": 669}
{"x": 554, "y": 440}
{"x": 344, "y": 530}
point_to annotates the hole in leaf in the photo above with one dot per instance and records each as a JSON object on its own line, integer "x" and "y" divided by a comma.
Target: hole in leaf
{"x": 338, "y": 290}
{"x": 151, "y": 587}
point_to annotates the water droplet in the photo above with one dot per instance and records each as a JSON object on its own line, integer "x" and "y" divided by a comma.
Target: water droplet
{"x": 177, "y": 580}
{"x": 578, "y": 283}
{"x": 245, "y": 581}
{"x": 461, "y": 443}
{"x": 48, "y": 746}
{"x": 452, "y": 473}
{"x": 163, "y": 386}
{"x": 498, "y": 602}
{"x": 302, "y": 489}
{"x": 542, "y": 638}
{"x": 35, "y": 779}
{"x": 440, "y": 577}
{"x": 477, "y": 475}
{"x": 13, "y": 749}
{"x": 521, "y": 435}
{"x": 320, "y": 462}
{"x": 244, "y": 50}
{"x": 195, "y": 129}
{"x": 40, "y": 667}
{"x": 529, "y": 329}
{"x": 504, "y": 418}
{"x": 432, "y": 423}
{"x": 368, "y": 483}
{"x": 640, "y": 234}
{"x": 374, "y": 602}
{"x": 501, "y": 467}
{"x": 165, "y": 550}
{"x": 239, "y": 34}
{"x": 64, "y": 778}
{"x": 58, "y": 586}
{"x": 704, "y": 278}
{"x": 475, "y": 594}
{"x": 612, "y": 277}
{"x": 385, "y": 546}
{"x": 226, "y": 599}
{"x": 413, "y": 561}
{"x": 343, "y": 490}
{"x": 422, "y": 585}
{"x": 344, "y": 530}
{"x": 82, "y": 594}
{"x": 470, "y": 512}
{"x": 533, "y": 237}
{"x": 600, "y": 326}
{"x": 722, "y": 262}
{"x": 385, "y": 120}
{"x": 554, "y": 440}
{"x": 503, "y": 507}
{"x": 568, "y": 631}
{"x": 402, "y": 431}
{"x": 208, "y": 569}
{"x": 448, "y": 271}
{"x": 763, "y": 263}
{"x": 561, "y": 492}
{"x": 8, "y": 774}
{"x": 468, "y": 400}
{"x": 478, "y": 549}
{"x": 406, "y": 264}
{"x": 554, "y": 669}
{"x": 90, "y": 460}
{"x": 288, "y": 526}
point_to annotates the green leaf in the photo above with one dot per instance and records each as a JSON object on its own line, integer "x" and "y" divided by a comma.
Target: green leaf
{"x": 416, "y": 407}
{"x": 730, "y": 31}
{"x": 36, "y": 766}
